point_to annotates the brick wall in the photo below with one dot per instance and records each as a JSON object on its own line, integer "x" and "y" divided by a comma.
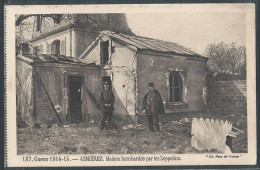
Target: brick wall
{"x": 44, "y": 112}
{"x": 193, "y": 72}
{"x": 228, "y": 97}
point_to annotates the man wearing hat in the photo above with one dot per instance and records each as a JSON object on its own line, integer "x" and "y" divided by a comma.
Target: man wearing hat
{"x": 107, "y": 100}
{"x": 152, "y": 106}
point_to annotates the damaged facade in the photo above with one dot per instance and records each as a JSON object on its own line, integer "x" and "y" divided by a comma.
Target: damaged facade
{"x": 61, "y": 80}
{"x": 131, "y": 62}
{"x": 48, "y": 70}
{"x": 55, "y": 90}
{"x": 68, "y": 34}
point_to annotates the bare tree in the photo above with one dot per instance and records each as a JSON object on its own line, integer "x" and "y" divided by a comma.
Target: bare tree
{"x": 20, "y": 18}
{"x": 226, "y": 58}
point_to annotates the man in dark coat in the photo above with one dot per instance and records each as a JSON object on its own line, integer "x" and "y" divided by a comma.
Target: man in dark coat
{"x": 152, "y": 106}
{"x": 107, "y": 100}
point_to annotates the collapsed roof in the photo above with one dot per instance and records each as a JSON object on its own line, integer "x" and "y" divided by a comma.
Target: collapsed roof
{"x": 49, "y": 58}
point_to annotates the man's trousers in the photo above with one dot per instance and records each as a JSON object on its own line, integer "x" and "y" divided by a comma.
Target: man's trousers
{"x": 156, "y": 121}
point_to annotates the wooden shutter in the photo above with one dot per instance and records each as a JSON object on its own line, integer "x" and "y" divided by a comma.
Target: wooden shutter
{"x": 48, "y": 49}
{"x": 40, "y": 49}
{"x": 62, "y": 47}
{"x": 39, "y": 22}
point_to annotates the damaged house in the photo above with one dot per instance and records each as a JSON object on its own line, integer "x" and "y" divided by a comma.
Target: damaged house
{"x": 55, "y": 89}
{"x": 130, "y": 62}
{"x": 53, "y": 86}
{"x": 60, "y": 78}
{"x": 68, "y": 34}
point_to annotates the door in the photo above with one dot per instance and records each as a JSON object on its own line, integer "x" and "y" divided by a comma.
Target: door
{"x": 75, "y": 109}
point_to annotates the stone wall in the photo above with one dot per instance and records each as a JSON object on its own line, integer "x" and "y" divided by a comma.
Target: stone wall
{"x": 54, "y": 79}
{"x": 228, "y": 97}
{"x": 156, "y": 69}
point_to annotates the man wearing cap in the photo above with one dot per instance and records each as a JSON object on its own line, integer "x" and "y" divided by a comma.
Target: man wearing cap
{"x": 152, "y": 106}
{"x": 107, "y": 100}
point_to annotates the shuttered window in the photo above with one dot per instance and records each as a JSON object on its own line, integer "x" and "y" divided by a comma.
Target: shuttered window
{"x": 62, "y": 48}
{"x": 40, "y": 49}
{"x": 38, "y": 22}
{"x": 55, "y": 47}
{"x": 48, "y": 49}
{"x": 176, "y": 87}
{"x": 104, "y": 52}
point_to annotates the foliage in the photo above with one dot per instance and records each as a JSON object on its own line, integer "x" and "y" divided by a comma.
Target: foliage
{"x": 34, "y": 25}
{"x": 226, "y": 58}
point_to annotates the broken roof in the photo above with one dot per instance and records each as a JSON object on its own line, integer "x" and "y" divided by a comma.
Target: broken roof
{"x": 48, "y": 58}
{"x": 144, "y": 43}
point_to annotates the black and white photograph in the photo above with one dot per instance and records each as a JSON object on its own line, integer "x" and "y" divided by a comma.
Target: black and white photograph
{"x": 131, "y": 84}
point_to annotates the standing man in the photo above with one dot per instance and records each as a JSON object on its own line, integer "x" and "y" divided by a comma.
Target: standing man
{"x": 107, "y": 100}
{"x": 152, "y": 106}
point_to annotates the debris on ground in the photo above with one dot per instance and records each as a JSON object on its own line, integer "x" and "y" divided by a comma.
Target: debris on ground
{"x": 56, "y": 132}
{"x": 88, "y": 139}
{"x": 165, "y": 126}
{"x": 130, "y": 126}
{"x": 146, "y": 142}
{"x": 54, "y": 126}
{"x": 167, "y": 133}
{"x": 232, "y": 115}
{"x": 184, "y": 120}
{"x": 43, "y": 126}
{"x": 176, "y": 122}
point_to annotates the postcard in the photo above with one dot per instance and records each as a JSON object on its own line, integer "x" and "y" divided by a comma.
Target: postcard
{"x": 130, "y": 85}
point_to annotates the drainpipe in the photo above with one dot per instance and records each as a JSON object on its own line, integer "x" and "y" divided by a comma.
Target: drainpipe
{"x": 70, "y": 42}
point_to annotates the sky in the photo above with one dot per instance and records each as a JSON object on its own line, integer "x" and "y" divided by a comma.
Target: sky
{"x": 194, "y": 30}
{"x": 194, "y": 26}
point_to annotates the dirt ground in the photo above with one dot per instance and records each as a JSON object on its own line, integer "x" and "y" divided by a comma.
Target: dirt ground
{"x": 88, "y": 139}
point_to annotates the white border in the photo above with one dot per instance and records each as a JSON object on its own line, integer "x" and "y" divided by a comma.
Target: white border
{"x": 187, "y": 159}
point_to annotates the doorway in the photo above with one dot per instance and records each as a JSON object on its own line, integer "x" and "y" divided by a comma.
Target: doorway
{"x": 75, "y": 109}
